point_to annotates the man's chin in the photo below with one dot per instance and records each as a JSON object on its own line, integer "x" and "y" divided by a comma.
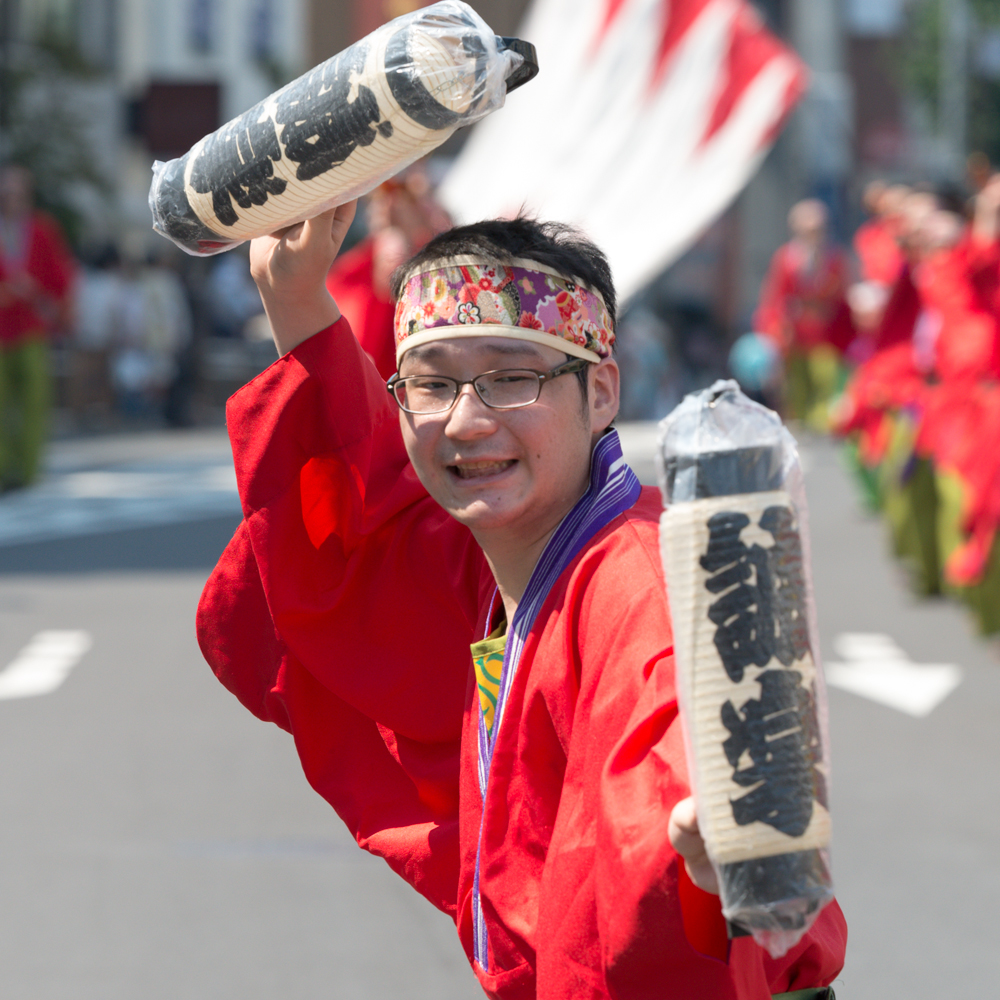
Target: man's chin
{"x": 483, "y": 517}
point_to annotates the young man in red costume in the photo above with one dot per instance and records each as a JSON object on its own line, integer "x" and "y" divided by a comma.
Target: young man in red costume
{"x": 481, "y": 504}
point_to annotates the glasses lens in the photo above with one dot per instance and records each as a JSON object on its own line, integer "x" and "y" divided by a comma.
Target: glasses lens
{"x": 425, "y": 394}
{"x": 513, "y": 387}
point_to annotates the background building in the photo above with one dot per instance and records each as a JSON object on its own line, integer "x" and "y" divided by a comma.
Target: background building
{"x": 95, "y": 90}
{"x": 335, "y": 25}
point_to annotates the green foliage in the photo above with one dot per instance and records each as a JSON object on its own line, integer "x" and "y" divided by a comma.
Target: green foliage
{"x": 56, "y": 44}
{"x": 274, "y": 71}
{"x": 920, "y": 70}
{"x": 44, "y": 131}
{"x": 921, "y": 51}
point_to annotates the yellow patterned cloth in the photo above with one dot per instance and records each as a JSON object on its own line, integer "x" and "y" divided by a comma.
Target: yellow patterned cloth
{"x": 487, "y": 658}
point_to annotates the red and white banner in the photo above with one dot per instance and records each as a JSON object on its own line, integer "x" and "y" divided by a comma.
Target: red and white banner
{"x": 645, "y": 121}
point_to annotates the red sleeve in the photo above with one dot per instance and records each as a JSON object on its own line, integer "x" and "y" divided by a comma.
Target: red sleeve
{"x": 864, "y": 238}
{"x": 982, "y": 263}
{"x": 840, "y": 331}
{"x": 878, "y": 252}
{"x": 967, "y": 345}
{"x": 344, "y": 607}
{"x": 627, "y": 766}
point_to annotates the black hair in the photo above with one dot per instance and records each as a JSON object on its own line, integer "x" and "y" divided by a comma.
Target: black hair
{"x": 553, "y": 244}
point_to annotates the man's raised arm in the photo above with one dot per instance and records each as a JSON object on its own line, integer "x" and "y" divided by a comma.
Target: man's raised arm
{"x": 290, "y": 268}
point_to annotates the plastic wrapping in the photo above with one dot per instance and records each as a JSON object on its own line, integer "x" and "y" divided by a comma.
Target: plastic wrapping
{"x": 340, "y": 130}
{"x": 734, "y": 542}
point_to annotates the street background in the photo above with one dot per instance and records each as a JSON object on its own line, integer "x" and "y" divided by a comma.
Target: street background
{"x": 896, "y": 89}
{"x": 158, "y": 841}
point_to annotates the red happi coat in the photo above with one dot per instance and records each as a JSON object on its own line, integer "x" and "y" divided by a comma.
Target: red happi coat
{"x": 968, "y": 429}
{"x": 343, "y": 610}
{"x": 982, "y": 259}
{"x": 48, "y": 261}
{"x": 961, "y": 412}
{"x": 802, "y": 305}
{"x": 878, "y": 252}
{"x": 951, "y": 392}
{"x": 966, "y": 348}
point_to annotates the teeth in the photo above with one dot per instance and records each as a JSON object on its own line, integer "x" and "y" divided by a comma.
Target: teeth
{"x": 470, "y": 470}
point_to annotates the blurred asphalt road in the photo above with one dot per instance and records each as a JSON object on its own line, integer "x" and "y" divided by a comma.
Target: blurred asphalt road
{"x": 159, "y": 842}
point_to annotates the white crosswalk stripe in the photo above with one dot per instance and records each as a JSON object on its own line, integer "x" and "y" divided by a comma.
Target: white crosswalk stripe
{"x": 82, "y": 502}
{"x": 876, "y": 668}
{"x": 44, "y": 663}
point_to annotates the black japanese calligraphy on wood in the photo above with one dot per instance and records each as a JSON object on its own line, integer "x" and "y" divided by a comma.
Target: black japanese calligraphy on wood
{"x": 788, "y": 580}
{"x": 236, "y": 164}
{"x": 323, "y": 118}
{"x": 760, "y": 613}
{"x": 403, "y": 90}
{"x": 330, "y": 114}
{"x": 779, "y": 733}
{"x": 410, "y": 91}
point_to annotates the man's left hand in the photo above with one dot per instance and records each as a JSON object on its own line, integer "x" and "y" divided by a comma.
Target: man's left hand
{"x": 686, "y": 839}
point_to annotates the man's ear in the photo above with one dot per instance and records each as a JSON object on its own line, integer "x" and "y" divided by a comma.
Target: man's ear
{"x": 605, "y": 389}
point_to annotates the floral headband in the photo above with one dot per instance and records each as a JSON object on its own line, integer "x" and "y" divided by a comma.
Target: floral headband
{"x": 470, "y": 297}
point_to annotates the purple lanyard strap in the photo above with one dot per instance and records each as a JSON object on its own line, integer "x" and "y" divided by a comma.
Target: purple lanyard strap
{"x": 613, "y": 489}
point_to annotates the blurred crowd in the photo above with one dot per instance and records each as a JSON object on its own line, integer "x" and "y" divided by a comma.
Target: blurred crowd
{"x": 137, "y": 333}
{"x": 132, "y": 326}
{"x": 107, "y": 335}
{"x": 893, "y": 344}
{"x": 896, "y": 348}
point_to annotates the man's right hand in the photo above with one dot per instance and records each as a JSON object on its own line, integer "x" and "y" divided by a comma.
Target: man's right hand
{"x": 290, "y": 268}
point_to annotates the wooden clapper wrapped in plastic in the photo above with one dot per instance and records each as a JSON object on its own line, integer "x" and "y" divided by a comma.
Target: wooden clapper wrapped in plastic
{"x": 340, "y": 130}
{"x": 753, "y": 703}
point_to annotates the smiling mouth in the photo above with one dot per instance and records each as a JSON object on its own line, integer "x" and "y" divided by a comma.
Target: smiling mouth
{"x": 476, "y": 470}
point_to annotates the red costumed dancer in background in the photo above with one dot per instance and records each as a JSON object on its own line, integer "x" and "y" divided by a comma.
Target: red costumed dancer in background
{"x": 877, "y": 241}
{"x": 925, "y": 406}
{"x": 451, "y": 595}
{"x": 962, "y": 417}
{"x": 877, "y": 244}
{"x": 803, "y": 308}
{"x": 36, "y": 278}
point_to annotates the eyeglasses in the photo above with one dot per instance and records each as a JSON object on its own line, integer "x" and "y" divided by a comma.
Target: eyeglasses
{"x": 505, "y": 389}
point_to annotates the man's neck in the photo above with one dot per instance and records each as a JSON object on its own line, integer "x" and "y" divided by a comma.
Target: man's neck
{"x": 513, "y": 558}
{"x": 512, "y": 563}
